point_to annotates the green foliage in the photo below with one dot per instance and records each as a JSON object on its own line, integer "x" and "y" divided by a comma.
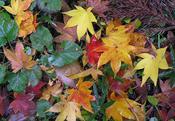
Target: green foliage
{"x": 2, "y": 73}
{"x": 34, "y": 75}
{"x": 17, "y": 81}
{"x": 8, "y": 29}
{"x": 42, "y": 107}
{"x": 42, "y": 38}
{"x": 70, "y": 53}
{"x": 49, "y": 6}
{"x": 152, "y": 100}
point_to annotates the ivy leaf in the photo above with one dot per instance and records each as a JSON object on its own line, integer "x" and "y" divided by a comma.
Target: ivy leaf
{"x": 2, "y": 73}
{"x": 42, "y": 106}
{"x": 34, "y": 75}
{"x": 1, "y": 3}
{"x": 153, "y": 100}
{"x": 70, "y": 54}
{"x": 8, "y": 29}
{"x": 17, "y": 81}
{"x": 42, "y": 38}
{"x": 49, "y": 6}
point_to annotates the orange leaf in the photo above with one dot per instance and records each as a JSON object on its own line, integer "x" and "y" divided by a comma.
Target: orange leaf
{"x": 19, "y": 59}
{"x": 82, "y": 95}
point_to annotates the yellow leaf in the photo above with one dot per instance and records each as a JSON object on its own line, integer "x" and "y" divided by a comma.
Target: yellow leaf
{"x": 82, "y": 95}
{"x": 122, "y": 108}
{"x": 67, "y": 111}
{"x": 151, "y": 64}
{"x": 18, "y": 6}
{"x": 121, "y": 41}
{"x": 82, "y": 19}
{"x": 93, "y": 72}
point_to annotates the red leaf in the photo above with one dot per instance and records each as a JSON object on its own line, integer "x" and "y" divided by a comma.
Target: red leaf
{"x": 4, "y": 102}
{"x": 91, "y": 47}
{"x": 99, "y": 6}
{"x": 23, "y": 103}
{"x": 36, "y": 90}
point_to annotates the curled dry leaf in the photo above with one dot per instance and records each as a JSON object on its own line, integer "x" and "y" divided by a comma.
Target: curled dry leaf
{"x": 67, "y": 70}
{"x": 54, "y": 90}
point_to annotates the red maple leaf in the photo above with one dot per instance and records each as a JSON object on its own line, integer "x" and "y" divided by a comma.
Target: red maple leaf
{"x": 23, "y": 103}
{"x": 92, "y": 53}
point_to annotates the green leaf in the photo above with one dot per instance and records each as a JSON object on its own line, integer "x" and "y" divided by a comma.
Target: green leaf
{"x": 8, "y": 29}
{"x": 70, "y": 54}
{"x": 153, "y": 100}
{"x": 49, "y": 6}
{"x": 172, "y": 53}
{"x": 138, "y": 23}
{"x": 42, "y": 38}
{"x": 2, "y": 3}
{"x": 17, "y": 81}
{"x": 42, "y": 107}
{"x": 34, "y": 75}
{"x": 2, "y": 73}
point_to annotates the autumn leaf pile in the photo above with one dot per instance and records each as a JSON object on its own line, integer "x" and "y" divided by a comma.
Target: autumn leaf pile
{"x": 65, "y": 60}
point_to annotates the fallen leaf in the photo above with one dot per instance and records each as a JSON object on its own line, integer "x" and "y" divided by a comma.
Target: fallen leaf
{"x": 4, "y": 101}
{"x": 67, "y": 111}
{"x": 99, "y": 6}
{"x": 124, "y": 107}
{"x": 54, "y": 90}
{"x": 82, "y": 94}
{"x": 23, "y": 103}
{"x": 79, "y": 16}
{"x": 19, "y": 59}
{"x": 151, "y": 64}
{"x": 92, "y": 71}
{"x": 36, "y": 90}
{"x": 91, "y": 47}
{"x": 28, "y": 25}
{"x": 66, "y": 33}
{"x": 121, "y": 41}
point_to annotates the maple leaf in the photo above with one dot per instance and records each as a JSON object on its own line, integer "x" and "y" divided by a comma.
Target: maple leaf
{"x": 92, "y": 54}
{"x": 93, "y": 72}
{"x": 119, "y": 44}
{"x": 151, "y": 64}
{"x": 122, "y": 108}
{"x": 99, "y": 6}
{"x": 82, "y": 95}
{"x": 68, "y": 110}
{"x": 28, "y": 25}
{"x": 19, "y": 59}
{"x": 79, "y": 16}
{"x": 18, "y": 6}
{"x": 66, "y": 33}
{"x": 23, "y": 103}
{"x": 53, "y": 90}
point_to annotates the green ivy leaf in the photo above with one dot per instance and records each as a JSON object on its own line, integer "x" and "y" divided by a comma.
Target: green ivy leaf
{"x": 2, "y": 73}
{"x": 42, "y": 38}
{"x": 17, "y": 81}
{"x": 34, "y": 75}
{"x": 49, "y": 6}
{"x": 153, "y": 100}
{"x": 71, "y": 53}
{"x": 2, "y": 3}
{"x": 42, "y": 107}
{"x": 8, "y": 29}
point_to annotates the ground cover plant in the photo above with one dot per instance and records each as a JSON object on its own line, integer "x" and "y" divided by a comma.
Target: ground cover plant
{"x": 90, "y": 60}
